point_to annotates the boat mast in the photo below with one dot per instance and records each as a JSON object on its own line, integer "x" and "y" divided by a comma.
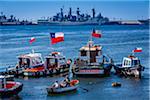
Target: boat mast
{"x": 90, "y": 44}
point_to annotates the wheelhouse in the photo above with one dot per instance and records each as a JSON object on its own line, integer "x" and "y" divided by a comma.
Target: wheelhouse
{"x": 30, "y": 60}
{"x": 130, "y": 61}
{"x": 90, "y": 52}
{"x": 55, "y": 60}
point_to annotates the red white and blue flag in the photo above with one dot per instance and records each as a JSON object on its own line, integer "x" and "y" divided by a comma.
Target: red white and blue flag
{"x": 32, "y": 39}
{"x": 96, "y": 33}
{"x": 57, "y": 37}
{"x": 137, "y": 50}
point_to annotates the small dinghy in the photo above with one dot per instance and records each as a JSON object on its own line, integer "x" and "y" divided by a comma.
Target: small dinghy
{"x": 73, "y": 86}
{"x": 9, "y": 88}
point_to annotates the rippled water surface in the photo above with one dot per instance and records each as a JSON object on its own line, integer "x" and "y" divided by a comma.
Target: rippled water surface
{"x": 117, "y": 42}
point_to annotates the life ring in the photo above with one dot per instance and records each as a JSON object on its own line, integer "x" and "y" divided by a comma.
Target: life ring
{"x": 74, "y": 82}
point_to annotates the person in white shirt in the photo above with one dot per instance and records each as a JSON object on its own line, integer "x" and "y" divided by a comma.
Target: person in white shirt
{"x": 56, "y": 85}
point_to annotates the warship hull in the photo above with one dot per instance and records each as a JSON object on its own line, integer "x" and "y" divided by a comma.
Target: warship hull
{"x": 68, "y": 23}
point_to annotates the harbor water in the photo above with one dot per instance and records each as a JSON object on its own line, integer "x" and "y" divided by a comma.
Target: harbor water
{"x": 117, "y": 41}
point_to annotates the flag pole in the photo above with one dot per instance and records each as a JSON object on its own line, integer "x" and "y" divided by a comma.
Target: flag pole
{"x": 51, "y": 47}
{"x": 132, "y": 53}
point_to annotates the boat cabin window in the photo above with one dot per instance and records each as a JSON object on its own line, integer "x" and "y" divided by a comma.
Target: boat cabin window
{"x": 135, "y": 62}
{"x": 92, "y": 56}
{"x": 36, "y": 60}
{"x": 52, "y": 62}
{"x": 24, "y": 62}
{"x": 62, "y": 61}
{"x": 83, "y": 53}
{"x": 127, "y": 63}
{"x": 98, "y": 52}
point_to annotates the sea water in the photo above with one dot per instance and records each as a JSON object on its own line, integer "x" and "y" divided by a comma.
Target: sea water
{"x": 117, "y": 41}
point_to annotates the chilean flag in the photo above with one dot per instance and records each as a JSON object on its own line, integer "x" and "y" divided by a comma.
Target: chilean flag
{"x": 32, "y": 40}
{"x": 96, "y": 34}
{"x": 57, "y": 37}
{"x": 137, "y": 50}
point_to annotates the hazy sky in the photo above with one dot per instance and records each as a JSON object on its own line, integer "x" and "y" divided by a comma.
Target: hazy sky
{"x": 34, "y": 9}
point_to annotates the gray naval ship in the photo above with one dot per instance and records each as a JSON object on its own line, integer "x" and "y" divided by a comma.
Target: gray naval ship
{"x": 5, "y": 21}
{"x": 71, "y": 18}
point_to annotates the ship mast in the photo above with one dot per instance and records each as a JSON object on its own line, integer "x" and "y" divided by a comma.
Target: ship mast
{"x": 90, "y": 44}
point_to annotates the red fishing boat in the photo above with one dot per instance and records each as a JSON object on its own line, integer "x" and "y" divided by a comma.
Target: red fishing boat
{"x": 9, "y": 88}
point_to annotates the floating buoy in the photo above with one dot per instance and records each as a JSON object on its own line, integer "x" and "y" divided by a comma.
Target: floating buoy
{"x": 116, "y": 84}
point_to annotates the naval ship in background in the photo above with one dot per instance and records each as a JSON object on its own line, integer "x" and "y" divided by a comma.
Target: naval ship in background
{"x": 74, "y": 19}
{"x": 71, "y": 18}
{"x": 5, "y": 21}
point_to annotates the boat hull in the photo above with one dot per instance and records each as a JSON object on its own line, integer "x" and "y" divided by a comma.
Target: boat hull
{"x": 74, "y": 84}
{"x": 12, "y": 91}
{"x": 92, "y": 72}
{"x": 129, "y": 72}
{"x": 61, "y": 90}
{"x": 45, "y": 72}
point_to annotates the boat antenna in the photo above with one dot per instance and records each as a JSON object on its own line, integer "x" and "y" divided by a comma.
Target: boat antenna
{"x": 132, "y": 53}
{"x": 91, "y": 35}
{"x": 89, "y": 45}
{"x": 32, "y": 50}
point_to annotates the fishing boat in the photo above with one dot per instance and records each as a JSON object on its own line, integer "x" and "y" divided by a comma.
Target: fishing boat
{"x": 56, "y": 63}
{"x": 73, "y": 86}
{"x": 9, "y": 88}
{"x": 130, "y": 66}
{"x": 92, "y": 62}
{"x": 8, "y": 77}
{"x": 30, "y": 64}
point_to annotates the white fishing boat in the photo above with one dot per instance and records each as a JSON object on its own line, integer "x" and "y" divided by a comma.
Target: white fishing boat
{"x": 130, "y": 66}
{"x": 57, "y": 63}
{"x": 73, "y": 86}
{"x": 30, "y": 64}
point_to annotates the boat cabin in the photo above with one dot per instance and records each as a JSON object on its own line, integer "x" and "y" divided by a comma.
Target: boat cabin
{"x": 2, "y": 82}
{"x": 130, "y": 61}
{"x": 90, "y": 52}
{"x": 55, "y": 60}
{"x": 30, "y": 60}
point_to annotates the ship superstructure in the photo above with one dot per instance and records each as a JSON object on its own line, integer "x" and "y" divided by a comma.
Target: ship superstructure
{"x": 4, "y": 20}
{"x": 76, "y": 18}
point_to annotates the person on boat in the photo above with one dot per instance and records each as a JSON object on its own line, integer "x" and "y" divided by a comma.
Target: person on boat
{"x": 69, "y": 61}
{"x": 56, "y": 85}
{"x": 63, "y": 84}
{"x": 66, "y": 82}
